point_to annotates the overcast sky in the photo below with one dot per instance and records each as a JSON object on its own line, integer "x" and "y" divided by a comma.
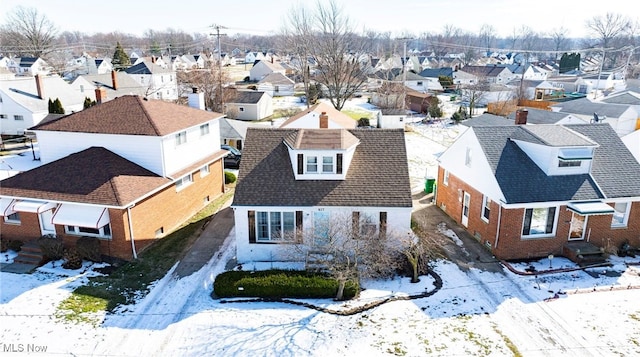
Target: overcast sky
{"x": 265, "y": 17}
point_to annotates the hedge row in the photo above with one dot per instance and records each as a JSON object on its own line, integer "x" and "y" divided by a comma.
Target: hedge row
{"x": 279, "y": 284}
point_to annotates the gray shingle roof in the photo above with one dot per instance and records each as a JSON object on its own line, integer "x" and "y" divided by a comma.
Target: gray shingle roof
{"x": 487, "y": 119}
{"x": 247, "y": 97}
{"x": 378, "y": 175}
{"x": 614, "y": 171}
{"x": 557, "y": 135}
{"x": 630, "y": 98}
{"x": 586, "y": 107}
{"x": 539, "y": 116}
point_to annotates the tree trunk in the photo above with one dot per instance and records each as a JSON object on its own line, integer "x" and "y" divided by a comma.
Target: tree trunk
{"x": 340, "y": 293}
{"x": 414, "y": 266}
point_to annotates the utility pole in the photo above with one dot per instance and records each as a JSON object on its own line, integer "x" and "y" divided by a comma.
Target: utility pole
{"x": 404, "y": 71}
{"x": 595, "y": 95}
{"x": 218, "y": 34}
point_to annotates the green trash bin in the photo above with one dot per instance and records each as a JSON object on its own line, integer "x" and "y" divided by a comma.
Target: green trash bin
{"x": 428, "y": 185}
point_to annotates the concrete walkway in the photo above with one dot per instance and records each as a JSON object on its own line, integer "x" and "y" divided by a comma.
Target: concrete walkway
{"x": 208, "y": 243}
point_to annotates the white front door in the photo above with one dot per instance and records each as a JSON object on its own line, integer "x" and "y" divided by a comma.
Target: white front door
{"x": 46, "y": 227}
{"x": 465, "y": 209}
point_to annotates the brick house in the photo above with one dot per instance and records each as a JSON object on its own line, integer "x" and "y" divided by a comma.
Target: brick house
{"x": 127, "y": 172}
{"x": 527, "y": 191}
{"x": 300, "y": 180}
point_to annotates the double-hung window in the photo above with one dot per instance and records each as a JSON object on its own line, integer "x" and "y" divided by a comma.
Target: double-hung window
{"x": 539, "y": 222}
{"x": 204, "y": 129}
{"x": 181, "y": 138}
{"x": 183, "y": 182}
{"x": 327, "y": 164}
{"x": 312, "y": 164}
{"x": 486, "y": 209}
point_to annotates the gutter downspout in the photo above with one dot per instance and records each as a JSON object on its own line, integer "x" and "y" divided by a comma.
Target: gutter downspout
{"x": 133, "y": 244}
{"x": 495, "y": 246}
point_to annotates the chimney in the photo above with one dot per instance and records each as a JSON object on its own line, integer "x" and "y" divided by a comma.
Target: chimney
{"x": 153, "y": 59}
{"x": 114, "y": 80}
{"x": 324, "y": 120}
{"x": 101, "y": 95}
{"x": 521, "y": 116}
{"x": 196, "y": 99}
{"x": 39, "y": 86}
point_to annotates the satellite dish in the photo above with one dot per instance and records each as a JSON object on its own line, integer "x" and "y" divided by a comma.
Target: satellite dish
{"x": 595, "y": 118}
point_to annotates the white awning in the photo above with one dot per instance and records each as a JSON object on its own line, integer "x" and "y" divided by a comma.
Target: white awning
{"x": 590, "y": 208}
{"x": 33, "y": 206}
{"x": 6, "y": 206}
{"x": 81, "y": 216}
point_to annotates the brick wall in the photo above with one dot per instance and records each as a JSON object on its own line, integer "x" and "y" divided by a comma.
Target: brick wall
{"x": 510, "y": 244}
{"x": 167, "y": 209}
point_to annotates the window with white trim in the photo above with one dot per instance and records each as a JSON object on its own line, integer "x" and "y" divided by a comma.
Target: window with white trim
{"x": 312, "y": 164}
{"x": 181, "y": 138}
{"x": 13, "y": 218}
{"x": 275, "y": 226}
{"x": 486, "y": 209}
{"x": 327, "y": 164}
{"x": 445, "y": 178}
{"x": 204, "y": 171}
{"x": 368, "y": 225}
{"x": 18, "y": 117}
{"x": 539, "y": 222}
{"x": 569, "y": 163}
{"x": 3, "y": 116}
{"x": 102, "y": 232}
{"x": 183, "y": 182}
{"x": 621, "y": 215}
{"x": 204, "y": 129}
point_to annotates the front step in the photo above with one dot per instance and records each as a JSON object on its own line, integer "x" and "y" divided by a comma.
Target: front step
{"x": 30, "y": 253}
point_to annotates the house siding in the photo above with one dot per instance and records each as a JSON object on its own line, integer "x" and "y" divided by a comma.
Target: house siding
{"x": 398, "y": 221}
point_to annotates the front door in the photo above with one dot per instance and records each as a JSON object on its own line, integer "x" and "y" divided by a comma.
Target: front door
{"x": 577, "y": 228}
{"x": 465, "y": 209}
{"x": 46, "y": 227}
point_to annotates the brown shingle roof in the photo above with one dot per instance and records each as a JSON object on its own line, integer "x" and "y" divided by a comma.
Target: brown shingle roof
{"x": 335, "y": 115}
{"x": 95, "y": 175}
{"x": 131, "y": 115}
{"x": 304, "y": 139}
{"x": 378, "y": 175}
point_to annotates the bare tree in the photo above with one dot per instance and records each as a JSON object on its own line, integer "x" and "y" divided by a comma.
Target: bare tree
{"x": 529, "y": 42}
{"x": 560, "y": 40}
{"x": 487, "y": 36}
{"x": 28, "y": 33}
{"x": 347, "y": 246}
{"x": 298, "y": 39}
{"x": 608, "y": 29}
{"x": 337, "y": 51}
{"x": 211, "y": 82}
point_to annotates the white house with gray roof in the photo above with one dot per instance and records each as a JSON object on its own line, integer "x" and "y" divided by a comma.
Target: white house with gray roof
{"x": 161, "y": 83}
{"x": 249, "y": 105}
{"x": 624, "y": 118}
{"x": 527, "y": 191}
{"x": 295, "y": 185}
{"x": 24, "y": 101}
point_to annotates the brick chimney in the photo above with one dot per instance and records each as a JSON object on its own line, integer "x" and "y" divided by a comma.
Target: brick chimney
{"x": 196, "y": 99}
{"x": 521, "y": 116}
{"x": 324, "y": 120}
{"x": 101, "y": 95}
{"x": 39, "y": 86}
{"x": 114, "y": 80}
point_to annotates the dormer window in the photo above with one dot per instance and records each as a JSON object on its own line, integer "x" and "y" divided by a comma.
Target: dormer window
{"x": 569, "y": 163}
{"x": 327, "y": 164}
{"x": 312, "y": 164}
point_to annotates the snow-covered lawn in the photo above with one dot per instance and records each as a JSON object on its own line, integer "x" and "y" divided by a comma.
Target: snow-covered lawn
{"x": 474, "y": 313}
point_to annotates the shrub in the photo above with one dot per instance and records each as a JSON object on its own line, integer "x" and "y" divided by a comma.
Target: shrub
{"x": 72, "y": 259}
{"x": 15, "y": 245}
{"x": 3, "y": 245}
{"x": 89, "y": 249}
{"x": 51, "y": 247}
{"x": 279, "y": 284}
{"x": 229, "y": 177}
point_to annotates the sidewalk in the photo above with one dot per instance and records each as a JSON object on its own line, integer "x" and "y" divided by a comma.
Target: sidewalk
{"x": 208, "y": 243}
